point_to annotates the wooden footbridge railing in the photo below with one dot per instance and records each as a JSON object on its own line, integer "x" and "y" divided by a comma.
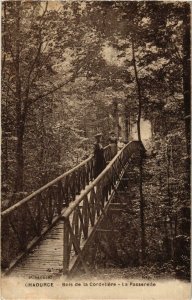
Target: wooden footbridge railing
{"x": 24, "y": 223}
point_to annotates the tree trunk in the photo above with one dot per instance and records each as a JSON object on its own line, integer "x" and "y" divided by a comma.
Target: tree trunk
{"x": 116, "y": 117}
{"x": 142, "y": 215}
{"x": 187, "y": 74}
{"x": 5, "y": 141}
{"x": 127, "y": 122}
{"x": 138, "y": 92}
{"x": 182, "y": 248}
{"x": 19, "y": 160}
{"x": 19, "y": 118}
{"x": 169, "y": 196}
{"x": 143, "y": 239}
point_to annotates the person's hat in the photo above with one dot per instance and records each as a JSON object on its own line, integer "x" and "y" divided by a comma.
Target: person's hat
{"x": 98, "y": 134}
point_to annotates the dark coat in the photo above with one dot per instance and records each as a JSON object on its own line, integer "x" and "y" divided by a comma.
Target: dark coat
{"x": 113, "y": 145}
{"x": 99, "y": 159}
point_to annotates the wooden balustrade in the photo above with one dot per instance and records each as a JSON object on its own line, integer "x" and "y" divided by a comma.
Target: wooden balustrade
{"x": 27, "y": 220}
{"x": 24, "y": 223}
{"x": 82, "y": 216}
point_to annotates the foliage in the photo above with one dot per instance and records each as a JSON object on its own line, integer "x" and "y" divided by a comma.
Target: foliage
{"x": 71, "y": 69}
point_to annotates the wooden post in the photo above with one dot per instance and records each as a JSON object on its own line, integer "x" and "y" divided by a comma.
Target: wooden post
{"x": 66, "y": 192}
{"x": 5, "y": 243}
{"x": 83, "y": 172}
{"x": 87, "y": 173}
{"x": 76, "y": 226}
{"x": 85, "y": 215}
{"x": 72, "y": 183}
{"x": 94, "y": 250}
{"x": 78, "y": 181}
{"x": 23, "y": 228}
{"x": 97, "y": 204}
{"x": 92, "y": 206}
{"x": 39, "y": 223}
{"x": 76, "y": 246}
{"x": 65, "y": 247}
{"x": 50, "y": 208}
{"x": 59, "y": 197}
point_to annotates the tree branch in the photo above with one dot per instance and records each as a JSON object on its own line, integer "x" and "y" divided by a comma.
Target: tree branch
{"x": 14, "y": 93}
{"x": 50, "y": 92}
{"x": 56, "y": 88}
{"x": 39, "y": 68}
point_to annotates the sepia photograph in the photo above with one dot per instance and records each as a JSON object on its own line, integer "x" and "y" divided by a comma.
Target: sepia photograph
{"x": 95, "y": 150}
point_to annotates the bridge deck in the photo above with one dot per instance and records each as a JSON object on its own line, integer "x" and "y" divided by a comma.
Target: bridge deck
{"x": 64, "y": 247}
{"x": 46, "y": 258}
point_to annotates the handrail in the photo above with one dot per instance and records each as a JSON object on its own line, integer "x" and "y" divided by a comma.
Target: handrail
{"x": 26, "y": 221}
{"x": 73, "y": 204}
{"x": 49, "y": 184}
{"x": 84, "y": 215}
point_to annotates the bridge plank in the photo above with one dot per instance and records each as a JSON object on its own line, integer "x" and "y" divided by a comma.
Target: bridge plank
{"x": 46, "y": 258}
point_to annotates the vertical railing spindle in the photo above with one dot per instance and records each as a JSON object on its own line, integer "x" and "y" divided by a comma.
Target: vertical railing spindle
{"x": 59, "y": 197}
{"x": 65, "y": 246}
{"x": 39, "y": 221}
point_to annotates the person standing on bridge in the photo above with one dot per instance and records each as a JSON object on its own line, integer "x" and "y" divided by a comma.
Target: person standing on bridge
{"x": 98, "y": 156}
{"x": 120, "y": 143}
{"x": 113, "y": 143}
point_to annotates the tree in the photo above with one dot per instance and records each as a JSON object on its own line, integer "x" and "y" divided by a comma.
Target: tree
{"x": 28, "y": 69}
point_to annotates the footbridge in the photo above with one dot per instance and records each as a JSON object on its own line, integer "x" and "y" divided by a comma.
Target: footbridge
{"x": 51, "y": 230}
